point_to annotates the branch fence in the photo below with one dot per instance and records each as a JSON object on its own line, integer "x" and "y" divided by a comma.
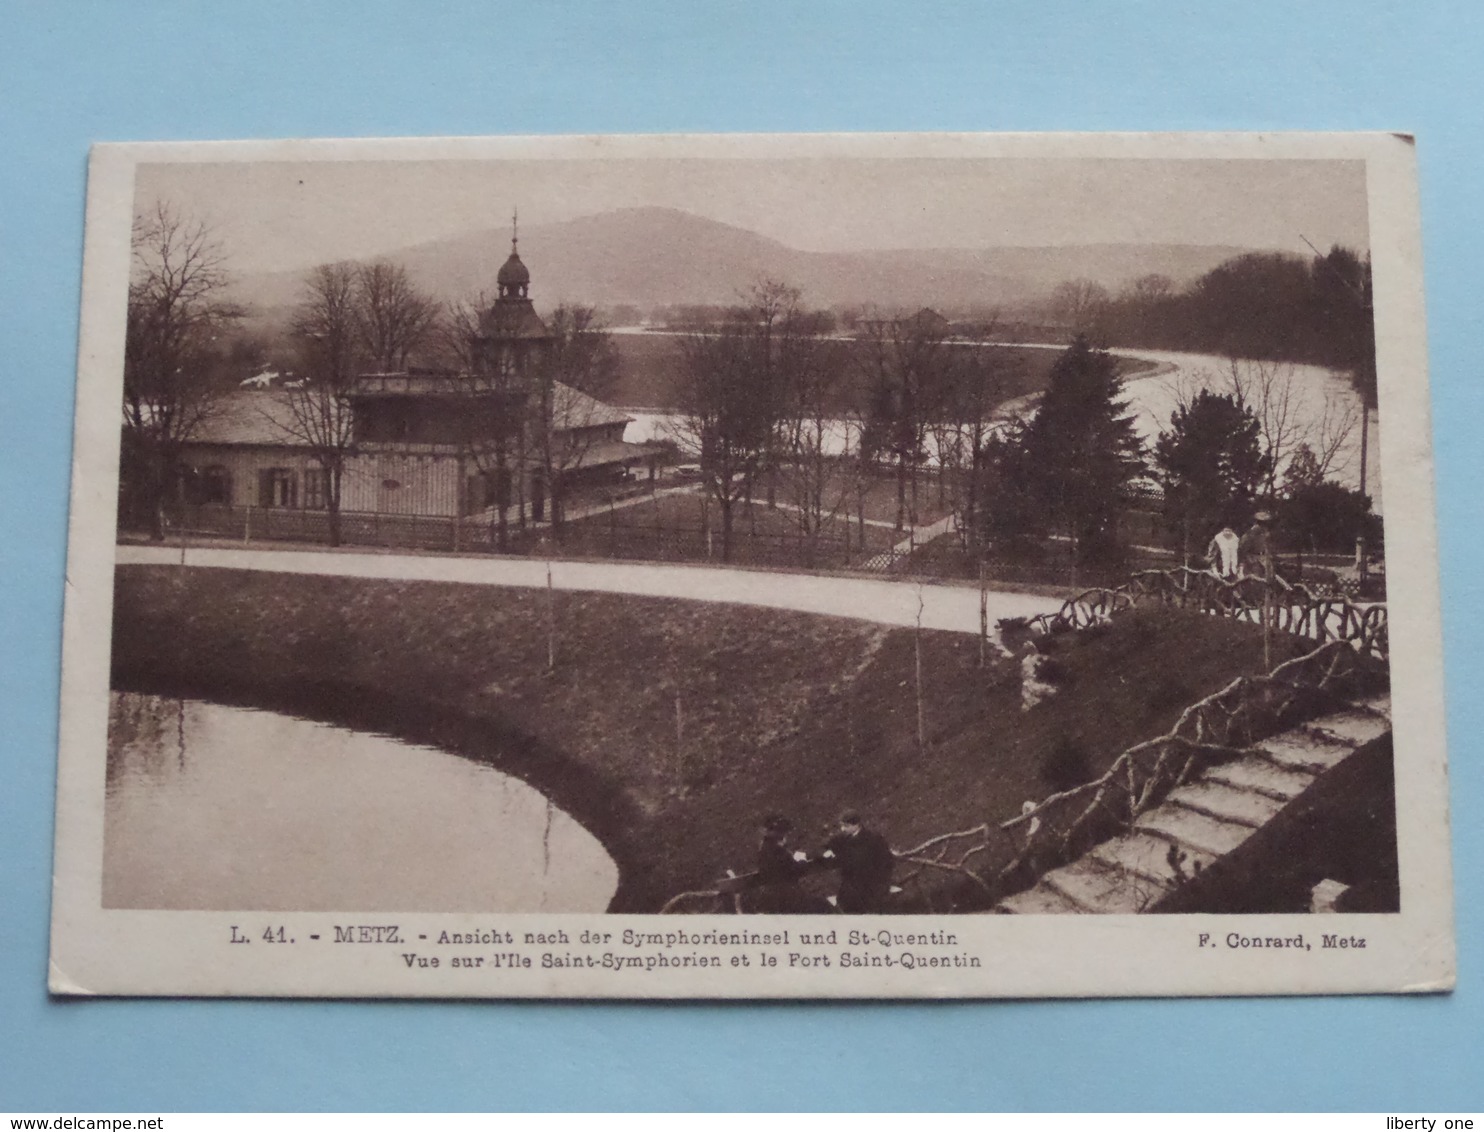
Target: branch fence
{"x": 1289, "y": 607}
{"x": 971, "y": 868}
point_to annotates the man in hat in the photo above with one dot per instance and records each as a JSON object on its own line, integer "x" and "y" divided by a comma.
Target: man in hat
{"x": 1256, "y": 544}
{"x": 865, "y": 861}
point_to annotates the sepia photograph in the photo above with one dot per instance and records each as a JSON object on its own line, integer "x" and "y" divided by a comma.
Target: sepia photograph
{"x": 600, "y": 565}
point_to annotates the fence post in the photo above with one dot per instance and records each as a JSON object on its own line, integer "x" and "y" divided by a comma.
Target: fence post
{"x": 983, "y": 616}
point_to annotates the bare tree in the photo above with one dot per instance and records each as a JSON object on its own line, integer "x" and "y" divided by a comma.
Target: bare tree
{"x": 971, "y": 416}
{"x": 326, "y": 327}
{"x": 176, "y": 308}
{"x": 810, "y": 373}
{"x": 454, "y": 338}
{"x": 1152, "y": 288}
{"x": 395, "y": 317}
{"x": 494, "y": 401}
{"x": 1082, "y": 305}
{"x": 904, "y": 364}
{"x": 1291, "y": 412}
{"x": 579, "y": 368}
{"x": 729, "y": 410}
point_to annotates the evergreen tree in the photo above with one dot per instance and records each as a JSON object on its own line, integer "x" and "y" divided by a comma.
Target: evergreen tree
{"x": 1303, "y": 471}
{"x": 1011, "y": 511}
{"x": 1211, "y": 464}
{"x": 1082, "y": 450}
{"x": 1325, "y": 517}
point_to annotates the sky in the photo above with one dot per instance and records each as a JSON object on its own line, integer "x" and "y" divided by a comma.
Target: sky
{"x": 286, "y": 215}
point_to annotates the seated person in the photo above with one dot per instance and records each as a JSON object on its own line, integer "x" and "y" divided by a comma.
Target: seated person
{"x": 774, "y": 886}
{"x": 865, "y": 861}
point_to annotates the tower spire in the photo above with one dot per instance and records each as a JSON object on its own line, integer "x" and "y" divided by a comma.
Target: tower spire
{"x": 514, "y": 229}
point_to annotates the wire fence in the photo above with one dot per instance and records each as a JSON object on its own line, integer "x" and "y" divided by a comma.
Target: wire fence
{"x": 648, "y": 532}
{"x": 616, "y": 534}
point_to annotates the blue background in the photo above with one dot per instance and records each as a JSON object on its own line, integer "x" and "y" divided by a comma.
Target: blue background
{"x": 72, "y": 73}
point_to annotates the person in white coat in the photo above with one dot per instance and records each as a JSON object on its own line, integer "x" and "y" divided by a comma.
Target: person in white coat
{"x": 1224, "y": 554}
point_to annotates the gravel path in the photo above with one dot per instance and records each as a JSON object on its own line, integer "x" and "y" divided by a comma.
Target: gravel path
{"x": 951, "y": 608}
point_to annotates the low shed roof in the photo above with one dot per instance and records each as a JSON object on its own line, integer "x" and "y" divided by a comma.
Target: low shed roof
{"x": 253, "y": 417}
{"x": 266, "y": 417}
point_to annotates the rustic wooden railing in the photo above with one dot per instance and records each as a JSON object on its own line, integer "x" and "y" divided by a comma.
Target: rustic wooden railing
{"x": 989, "y": 856}
{"x": 1290, "y": 607}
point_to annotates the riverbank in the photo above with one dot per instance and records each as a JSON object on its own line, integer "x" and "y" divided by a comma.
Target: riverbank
{"x": 668, "y": 727}
{"x": 652, "y": 374}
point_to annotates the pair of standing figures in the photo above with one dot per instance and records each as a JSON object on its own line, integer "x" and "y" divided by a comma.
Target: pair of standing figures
{"x": 1231, "y": 556}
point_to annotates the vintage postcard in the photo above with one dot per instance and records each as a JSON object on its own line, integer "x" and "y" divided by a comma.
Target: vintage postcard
{"x": 753, "y": 567}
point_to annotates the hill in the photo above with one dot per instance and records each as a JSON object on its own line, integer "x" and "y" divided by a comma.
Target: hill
{"x": 652, "y": 257}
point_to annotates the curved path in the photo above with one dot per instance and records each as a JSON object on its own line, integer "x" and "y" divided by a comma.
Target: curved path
{"x": 946, "y": 607}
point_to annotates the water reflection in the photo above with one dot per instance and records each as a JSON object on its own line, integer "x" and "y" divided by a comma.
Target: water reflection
{"x": 212, "y": 807}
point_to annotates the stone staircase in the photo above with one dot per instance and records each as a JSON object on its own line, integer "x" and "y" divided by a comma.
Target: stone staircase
{"x": 1204, "y": 820}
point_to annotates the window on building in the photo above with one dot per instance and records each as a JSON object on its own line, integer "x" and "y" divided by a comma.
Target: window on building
{"x": 216, "y": 484}
{"x": 278, "y": 487}
{"x": 212, "y": 484}
{"x": 316, "y": 489}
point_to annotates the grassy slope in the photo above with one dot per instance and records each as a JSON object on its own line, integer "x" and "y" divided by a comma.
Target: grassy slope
{"x": 781, "y": 711}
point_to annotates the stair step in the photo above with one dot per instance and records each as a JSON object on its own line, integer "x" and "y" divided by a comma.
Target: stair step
{"x": 1262, "y": 776}
{"x": 1203, "y": 820}
{"x": 1149, "y": 857}
{"x": 1354, "y": 727}
{"x": 1037, "y": 901}
{"x": 1197, "y": 831}
{"x": 1229, "y": 803}
{"x": 1097, "y": 888}
{"x": 1305, "y": 751}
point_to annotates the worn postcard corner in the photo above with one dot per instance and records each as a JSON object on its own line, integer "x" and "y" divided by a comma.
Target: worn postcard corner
{"x": 835, "y": 566}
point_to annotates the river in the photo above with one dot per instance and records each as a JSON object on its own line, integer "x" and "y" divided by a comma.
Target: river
{"x": 214, "y": 807}
{"x": 1314, "y": 402}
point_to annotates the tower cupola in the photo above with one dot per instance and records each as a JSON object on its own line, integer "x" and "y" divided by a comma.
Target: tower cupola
{"x": 514, "y": 279}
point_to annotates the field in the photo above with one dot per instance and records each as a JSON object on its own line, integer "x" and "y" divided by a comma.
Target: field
{"x": 687, "y": 527}
{"x": 778, "y": 711}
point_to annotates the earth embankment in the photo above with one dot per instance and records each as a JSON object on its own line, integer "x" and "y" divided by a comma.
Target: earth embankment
{"x": 669, "y": 727}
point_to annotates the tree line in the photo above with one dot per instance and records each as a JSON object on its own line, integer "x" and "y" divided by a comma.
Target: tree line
{"x": 1253, "y": 437}
{"x": 1262, "y": 305}
{"x": 776, "y": 403}
{"x": 779, "y": 407}
{"x": 765, "y": 386}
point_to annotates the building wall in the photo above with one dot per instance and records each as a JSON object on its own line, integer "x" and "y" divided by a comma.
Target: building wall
{"x": 391, "y": 483}
{"x": 396, "y": 484}
{"x": 244, "y": 465}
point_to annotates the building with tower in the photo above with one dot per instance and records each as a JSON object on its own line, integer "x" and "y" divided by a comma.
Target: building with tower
{"x": 500, "y": 435}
